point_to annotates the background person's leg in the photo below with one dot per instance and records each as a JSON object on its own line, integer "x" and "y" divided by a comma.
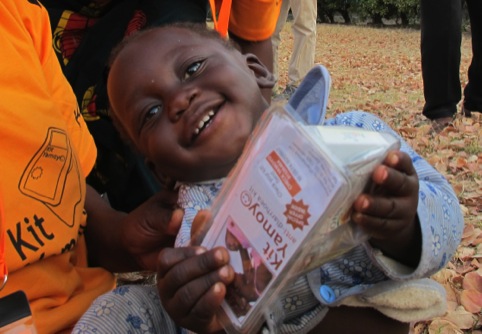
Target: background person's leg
{"x": 473, "y": 89}
{"x": 304, "y": 34}
{"x": 440, "y": 49}
{"x": 276, "y": 38}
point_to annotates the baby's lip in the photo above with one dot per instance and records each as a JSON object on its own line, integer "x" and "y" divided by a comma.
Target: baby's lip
{"x": 201, "y": 117}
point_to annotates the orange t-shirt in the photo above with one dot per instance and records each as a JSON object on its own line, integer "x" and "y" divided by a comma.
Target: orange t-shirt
{"x": 46, "y": 153}
{"x": 253, "y": 20}
{"x": 3, "y": 265}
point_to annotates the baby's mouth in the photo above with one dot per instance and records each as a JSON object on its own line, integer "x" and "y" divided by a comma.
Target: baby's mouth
{"x": 204, "y": 123}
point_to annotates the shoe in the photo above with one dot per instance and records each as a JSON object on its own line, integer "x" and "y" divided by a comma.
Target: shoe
{"x": 467, "y": 112}
{"x": 310, "y": 99}
{"x": 439, "y": 124}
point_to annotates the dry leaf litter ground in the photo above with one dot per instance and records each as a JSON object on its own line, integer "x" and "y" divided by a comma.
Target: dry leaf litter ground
{"x": 378, "y": 70}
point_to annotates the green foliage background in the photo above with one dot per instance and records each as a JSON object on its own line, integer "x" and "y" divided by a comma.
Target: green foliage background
{"x": 404, "y": 12}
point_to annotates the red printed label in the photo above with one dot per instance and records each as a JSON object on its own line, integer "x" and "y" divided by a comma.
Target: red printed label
{"x": 283, "y": 173}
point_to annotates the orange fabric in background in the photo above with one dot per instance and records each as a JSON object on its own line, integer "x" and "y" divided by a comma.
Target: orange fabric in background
{"x": 252, "y": 20}
{"x": 220, "y": 12}
{"x": 3, "y": 264}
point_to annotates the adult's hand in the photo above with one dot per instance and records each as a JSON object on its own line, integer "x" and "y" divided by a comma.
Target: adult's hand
{"x": 128, "y": 242}
{"x": 152, "y": 227}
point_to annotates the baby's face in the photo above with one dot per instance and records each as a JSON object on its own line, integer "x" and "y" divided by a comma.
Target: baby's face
{"x": 187, "y": 102}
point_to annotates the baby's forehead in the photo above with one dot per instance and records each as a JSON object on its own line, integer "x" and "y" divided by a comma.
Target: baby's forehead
{"x": 155, "y": 41}
{"x": 173, "y": 42}
{"x": 175, "y": 35}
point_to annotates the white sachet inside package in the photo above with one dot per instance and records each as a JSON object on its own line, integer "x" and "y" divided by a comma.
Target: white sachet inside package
{"x": 352, "y": 147}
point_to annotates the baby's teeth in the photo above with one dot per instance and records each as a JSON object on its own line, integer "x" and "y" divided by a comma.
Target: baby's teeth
{"x": 203, "y": 121}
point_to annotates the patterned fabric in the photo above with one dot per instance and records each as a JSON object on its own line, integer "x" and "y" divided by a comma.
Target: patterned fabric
{"x": 192, "y": 198}
{"x": 144, "y": 314}
{"x": 301, "y": 310}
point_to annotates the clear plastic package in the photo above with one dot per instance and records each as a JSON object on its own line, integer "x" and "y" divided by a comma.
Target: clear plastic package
{"x": 284, "y": 209}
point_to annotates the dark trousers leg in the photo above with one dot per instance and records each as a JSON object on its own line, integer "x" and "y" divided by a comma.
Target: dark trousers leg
{"x": 441, "y": 37}
{"x": 473, "y": 89}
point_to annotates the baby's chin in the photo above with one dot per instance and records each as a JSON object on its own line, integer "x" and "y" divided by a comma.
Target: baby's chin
{"x": 207, "y": 174}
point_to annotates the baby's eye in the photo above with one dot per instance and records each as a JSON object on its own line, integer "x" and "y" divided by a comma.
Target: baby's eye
{"x": 192, "y": 69}
{"x": 148, "y": 117}
{"x": 152, "y": 113}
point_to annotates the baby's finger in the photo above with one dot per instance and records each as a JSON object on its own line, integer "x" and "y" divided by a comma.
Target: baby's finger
{"x": 377, "y": 227}
{"x": 386, "y": 207}
{"x": 200, "y": 226}
{"x": 400, "y": 161}
{"x": 392, "y": 181}
{"x": 384, "y": 214}
{"x": 195, "y": 303}
{"x": 191, "y": 263}
{"x": 208, "y": 288}
{"x": 170, "y": 257}
{"x": 395, "y": 160}
{"x": 208, "y": 303}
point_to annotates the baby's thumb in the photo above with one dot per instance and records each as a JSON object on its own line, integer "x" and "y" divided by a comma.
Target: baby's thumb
{"x": 175, "y": 222}
{"x": 200, "y": 226}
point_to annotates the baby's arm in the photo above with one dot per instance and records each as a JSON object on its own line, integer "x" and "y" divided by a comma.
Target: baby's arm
{"x": 438, "y": 211}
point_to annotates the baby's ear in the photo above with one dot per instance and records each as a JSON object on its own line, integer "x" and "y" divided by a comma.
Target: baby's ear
{"x": 264, "y": 77}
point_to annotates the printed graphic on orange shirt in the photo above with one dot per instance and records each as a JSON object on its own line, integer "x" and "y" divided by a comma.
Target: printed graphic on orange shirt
{"x": 52, "y": 170}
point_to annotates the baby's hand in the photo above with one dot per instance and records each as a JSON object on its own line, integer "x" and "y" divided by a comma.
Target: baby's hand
{"x": 388, "y": 213}
{"x": 192, "y": 284}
